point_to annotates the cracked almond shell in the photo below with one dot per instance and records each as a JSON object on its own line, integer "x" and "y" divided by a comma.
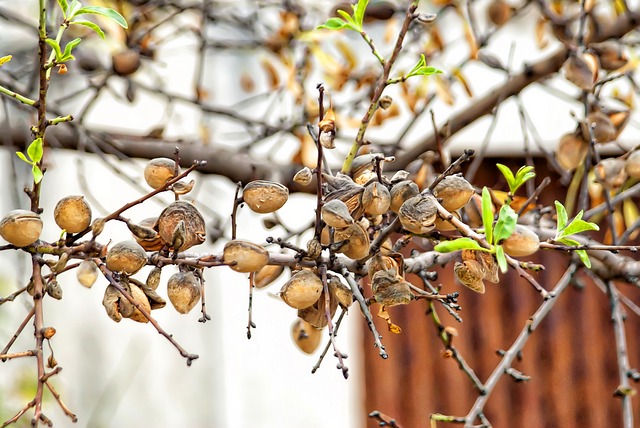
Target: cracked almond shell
{"x": 418, "y": 214}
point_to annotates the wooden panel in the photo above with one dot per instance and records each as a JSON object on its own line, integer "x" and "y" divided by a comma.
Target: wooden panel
{"x": 571, "y": 357}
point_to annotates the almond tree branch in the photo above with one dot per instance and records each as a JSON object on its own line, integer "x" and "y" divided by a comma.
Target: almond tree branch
{"x": 531, "y": 74}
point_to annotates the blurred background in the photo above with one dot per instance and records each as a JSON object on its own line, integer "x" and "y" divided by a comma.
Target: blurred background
{"x": 234, "y": 83}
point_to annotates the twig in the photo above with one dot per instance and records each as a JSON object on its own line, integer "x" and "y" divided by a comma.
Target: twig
{"x": 64, "y": 408}
{"x": 625, "y": 391}
{"x": 250, "y": 323}
{"x": 327, "y": 313}
{"x": 107, "y": 274}
{"x": 384, "y": 420}
{"x": 21, "y": 327}
{"x": 234, "y": 212}
{"x": 468, "y": 154}
{"x": 355, "y": 289}
{"x": 329, "y": 342}
{"x": 518, "y": 345}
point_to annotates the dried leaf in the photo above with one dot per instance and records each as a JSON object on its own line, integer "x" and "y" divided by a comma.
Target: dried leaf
{"x": 542, "y": 34}
{"x": 247, "y": 83}
{"x": 631, "y": 214}
{"x": 382, "y": 313}
{"x": 458, "y": 74}
{"x": 443, "y": 90}
{"x": 273, "y": 77}
{"x": 347, "y": 54}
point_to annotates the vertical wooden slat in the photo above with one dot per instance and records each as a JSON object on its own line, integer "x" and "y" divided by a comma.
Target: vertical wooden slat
{"x": 571, "y": 357}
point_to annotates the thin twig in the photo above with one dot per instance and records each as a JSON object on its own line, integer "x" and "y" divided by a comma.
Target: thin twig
{"x": 518, "y": 345}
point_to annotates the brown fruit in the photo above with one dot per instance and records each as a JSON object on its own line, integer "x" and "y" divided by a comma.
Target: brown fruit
{"x": 335, "y": 213}
{"x": 581, "y": 70}
{"x": 402, "y": 191}
{"x": 87, "y": 273}
{"x": 418, "y": 214}
{"x": 603, "y": 128}
{"x": 611, "y": 172}
{"x": 303, "y": 177}
{"x": 633, "y": 164}
{"x": 183, "y": 290}
{"x": 244, "y": 256}
{"x": 126, "y": 257}
{"x": 523, "y": 242}
{"x": 181, "y": 226}
{"x": 469, "y": 273}
{"x": 158, "y": 171}
{"x": 356, "y": 241}
{"x": 265, "y": 196}
{"x": 610, "y": 54}
{"x": 72, "y": 214}
{"x": 389, "y": 289}
{"x": 141, "y": 299}
{"x": 126, "y": 62}
{"x": 301, "y": 290}
{"x": 143, "y": 235}
{"x": 316, "y": 314}
{"x": 571, "y": 151}
{"x": 445, "y": 225}
{"x": 267, "y": 275}
{"x": 499, "y": 12}
{"x": 21, "y": 227}
{"x": 376, "y": 199}
{"x": 454, "y": 191}
{"x": 340, "y": 292}
{"x": 306, "y": 337}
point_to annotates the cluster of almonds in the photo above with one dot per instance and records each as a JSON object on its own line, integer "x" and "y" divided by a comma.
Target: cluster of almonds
{"x": 354, "y": 210}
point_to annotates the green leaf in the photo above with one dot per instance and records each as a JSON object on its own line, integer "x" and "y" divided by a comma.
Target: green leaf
{"x": 103, "y": 11}
{"x": 358, "y": 11}
{"x": 524, "y": 174}
{"x": 487, "y": 215}
{"x": 584, "y": 257}
{"x": 508, "y": 175}
{"x": 333, "y": 24}
{"x": 581, "y": 253}
{"x": 64, "y": 6}
{"x": 569, "y": 242}
{"x": 73, "y": 8}
{"x": 506, "y": 224}
{"x": 69, "y": 47}
{"x": 458, "y": 244}
{"x": 5, "y": 59}
{"x": 502, "y": 260}
{"x": 56, "y": 48}
{"x": 577, "y": 226}
{"x": 422, "y": 69}
{"x": 562, "y": 217}
{"x": 349, "y": 21}
{"x": 24, "y": 158}
{"x": 35, "y": 150}
{"x": 91, "y": 25}
{"x": 37, "y": 174}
